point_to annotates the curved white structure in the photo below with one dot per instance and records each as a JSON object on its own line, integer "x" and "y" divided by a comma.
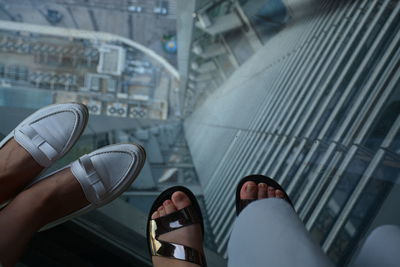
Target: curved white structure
{"x": 90, "y": 35}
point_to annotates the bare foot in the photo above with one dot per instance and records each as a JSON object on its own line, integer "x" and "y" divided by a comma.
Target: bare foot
{"x": 17, "y": 169}
{"x": 250, "y": 190}
{"x": 190, "y": 236}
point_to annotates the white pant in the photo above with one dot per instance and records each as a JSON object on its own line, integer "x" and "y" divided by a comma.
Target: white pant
{"x": 268, "y": 232}
{"x": 382, "y": 248}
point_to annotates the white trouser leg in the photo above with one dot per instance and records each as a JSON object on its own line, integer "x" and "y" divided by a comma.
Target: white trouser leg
{"x": 268, "y": 232}
{"x": 382, "y": 248}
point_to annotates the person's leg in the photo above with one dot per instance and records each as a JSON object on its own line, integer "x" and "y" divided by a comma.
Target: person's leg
{"x": 90, "y": 182}
{"x": 17, "y": 169}
{"x": 33, "y": 208}
{"x": 269, "y": 233}
{"x": 381, "y": 248}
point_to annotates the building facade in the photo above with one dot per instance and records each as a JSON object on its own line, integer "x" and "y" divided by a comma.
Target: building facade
{"x": 315, "y": 106}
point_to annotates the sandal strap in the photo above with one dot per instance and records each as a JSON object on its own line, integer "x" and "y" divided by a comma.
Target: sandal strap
{"x": 173, "y": 250}
{"x": 179, "y": 252}
{"x": 178, "y": 219}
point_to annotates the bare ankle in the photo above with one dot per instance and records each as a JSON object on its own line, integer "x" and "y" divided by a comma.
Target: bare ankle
{"x": 17, "y": 169}
{"x": 28, "y": 206}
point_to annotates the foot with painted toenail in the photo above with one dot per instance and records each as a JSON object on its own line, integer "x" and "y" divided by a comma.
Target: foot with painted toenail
{"x": 189, "y": 235}
{"x": 250, "y": 190}
{"x": 256, "y": 187}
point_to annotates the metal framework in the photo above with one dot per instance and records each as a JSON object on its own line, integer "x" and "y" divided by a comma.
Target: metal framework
{"x": 323, "y": 100}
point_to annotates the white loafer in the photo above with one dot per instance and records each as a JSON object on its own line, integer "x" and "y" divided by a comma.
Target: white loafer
{"x": 104, "y": 175}
{"x": 50, "y": 132}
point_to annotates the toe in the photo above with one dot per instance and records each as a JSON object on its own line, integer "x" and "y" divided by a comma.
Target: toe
{"x": 262, "y": 190}
{"x": 271, "y": 191}
{"x": 279, "y": 193}
{"x": 161, "y": 211}
{"x": 169, "y": 206}
{"x": 248, "y": 190}
{"x": 155, "y": 215}
{"x": 180, "y": 200}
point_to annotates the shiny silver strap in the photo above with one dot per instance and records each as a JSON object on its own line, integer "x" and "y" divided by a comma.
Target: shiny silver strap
{"x": 178, "y": 219}
{"x": 173, "y": 250}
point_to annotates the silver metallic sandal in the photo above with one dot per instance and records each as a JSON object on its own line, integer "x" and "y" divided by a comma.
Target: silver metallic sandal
{"x": 176, "y": 220}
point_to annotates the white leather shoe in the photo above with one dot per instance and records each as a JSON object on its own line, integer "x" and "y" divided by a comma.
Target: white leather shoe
{"x": 50, "y": 132}
{"x": 104, "y": 174}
